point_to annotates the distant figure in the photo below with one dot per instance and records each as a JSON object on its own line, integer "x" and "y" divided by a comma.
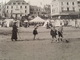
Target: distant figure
{"x": 35, "y": 33}
{"x": 14, "y": 32}
{"x": 60, "y": 33}
{"x": 53, "y": 33}
{"x": 51, "y": 25}
{"x": 47, "y": 25}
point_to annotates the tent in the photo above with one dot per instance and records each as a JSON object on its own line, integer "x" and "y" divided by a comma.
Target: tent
{"x": 54, "y": 22}
{"x": 26, "y": 21}
{"x": 48, "y": 21}
{"x": 37, "y": 20}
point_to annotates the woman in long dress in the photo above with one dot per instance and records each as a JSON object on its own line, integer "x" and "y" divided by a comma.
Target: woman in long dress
{"x": 14, "y": 32}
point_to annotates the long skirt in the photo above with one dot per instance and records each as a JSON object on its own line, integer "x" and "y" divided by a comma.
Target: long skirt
{"x": 14, "y": 35}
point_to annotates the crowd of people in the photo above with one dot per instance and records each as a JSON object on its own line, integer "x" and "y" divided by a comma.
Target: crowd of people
{"x": 56, "y": 34}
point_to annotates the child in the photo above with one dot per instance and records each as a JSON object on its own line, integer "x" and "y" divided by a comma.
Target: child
{"x": 53, "y": 33}
{"x": 60, "y": 33}
{"x": 35, "y": 33}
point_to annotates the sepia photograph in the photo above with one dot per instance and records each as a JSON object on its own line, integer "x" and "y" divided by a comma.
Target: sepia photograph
{"x": 39, "y": 29}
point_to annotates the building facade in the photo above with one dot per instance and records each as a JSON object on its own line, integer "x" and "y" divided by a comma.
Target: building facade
{"x": 78, "y": 2}
{"x": 16, "y": 9}
{"x": 35, "y": 11}
{"x": 1, "y": 9}
{"x": 47, "y": 11}
{"x": 64, "y": 7}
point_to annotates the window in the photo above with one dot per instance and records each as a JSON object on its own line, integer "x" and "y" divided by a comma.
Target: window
{"x": 11, "y": 6}
{"x": 61, "y": 3}
{"x": 78, "y": 2}
{"x": 67, "y": 8}
{"x": 20, "y": 6}
{"x": 25, "y": 11}
{"x": 31, "y": 12}
{"x": 36, "y": 9}
{"x": 7, "y": 7}
{"x": 62, "y": 9}
{"x": 73, "y": 9}
{"x": 7, "y": 11}
{"x": 25, "y": 6}
{"x": 22, "y": 3}
{"x": 38, "y": 13}
{"x": 67, "y": 3}
{"x": 39, "y": 9}
{"x": 72, "y": 3}
{"x": 79, "y": 9}
{"x": 11, "y": 11}
{"x": 20, "y": 14}
{"x": 18, "y": 3}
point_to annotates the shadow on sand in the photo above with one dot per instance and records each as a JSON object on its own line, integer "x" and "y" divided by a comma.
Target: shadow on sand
{"x": 65, "y": 40}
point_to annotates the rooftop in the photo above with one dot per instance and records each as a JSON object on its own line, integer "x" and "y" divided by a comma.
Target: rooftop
{"x": 16, "y": 1}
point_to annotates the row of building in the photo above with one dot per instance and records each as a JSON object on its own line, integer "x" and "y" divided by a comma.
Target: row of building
{"x": 65, "y": 8}
{"x": 19, "y": 8}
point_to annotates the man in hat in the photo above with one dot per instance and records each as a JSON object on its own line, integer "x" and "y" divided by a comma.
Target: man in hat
{"x": 14, "y": 32}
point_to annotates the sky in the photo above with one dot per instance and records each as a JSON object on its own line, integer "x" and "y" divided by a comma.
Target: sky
{"x": 34, "y": 2}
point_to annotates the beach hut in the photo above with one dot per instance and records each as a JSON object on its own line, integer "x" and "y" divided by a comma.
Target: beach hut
{"x": 8, "y": 22}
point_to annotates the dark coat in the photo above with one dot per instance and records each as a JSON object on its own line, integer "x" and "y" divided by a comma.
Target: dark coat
{"x": 35, "y": 32}
{"x": 14, "y": 32}
{"x": 53, "y": 33}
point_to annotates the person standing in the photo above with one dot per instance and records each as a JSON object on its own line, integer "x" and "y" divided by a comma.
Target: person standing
{"x": 60, "y": 33}
{"x": 14, "y": 32}
{"x": 53, "y": 33}
{"x": 35, "y": 33}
